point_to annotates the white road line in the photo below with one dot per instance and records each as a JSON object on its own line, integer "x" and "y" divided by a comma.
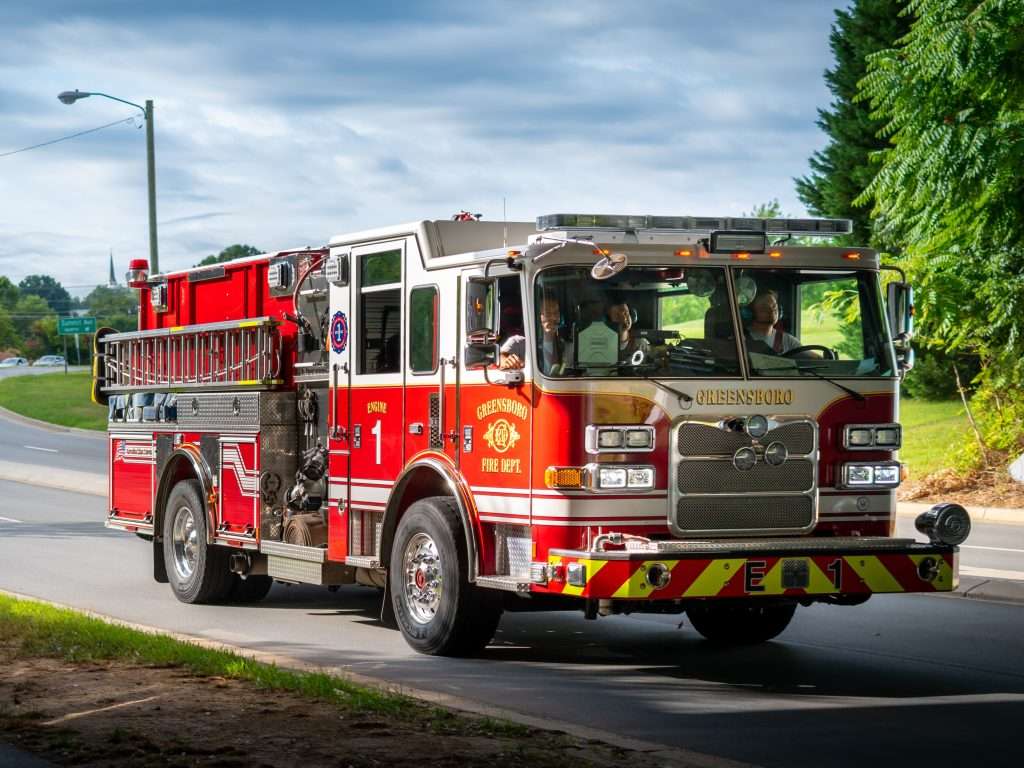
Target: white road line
{"x": 991, "y": 549}
{"x": 991, "y": 573}
{"x": 9, "y": 520}
{"x": 44, "y": 450}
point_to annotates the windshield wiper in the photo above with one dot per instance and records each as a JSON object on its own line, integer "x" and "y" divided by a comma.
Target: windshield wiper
{"x": 813, "y": 370}
{"x": 683, "y": 397}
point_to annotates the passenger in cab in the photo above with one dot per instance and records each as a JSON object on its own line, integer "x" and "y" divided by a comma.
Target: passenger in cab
{"x": 766, "y": 326}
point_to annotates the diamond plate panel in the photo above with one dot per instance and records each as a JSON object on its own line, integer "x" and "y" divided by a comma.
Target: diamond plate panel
{"x": 224, "y": 411}
{"x": 513, "y": 547}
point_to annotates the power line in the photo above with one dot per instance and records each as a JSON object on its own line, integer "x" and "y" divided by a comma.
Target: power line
{"x": 72, "y": 136}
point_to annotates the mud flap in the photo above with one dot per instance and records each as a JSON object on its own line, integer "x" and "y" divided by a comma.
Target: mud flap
{"x": 159, "y": 565}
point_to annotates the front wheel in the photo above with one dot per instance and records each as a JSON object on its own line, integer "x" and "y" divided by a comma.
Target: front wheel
{"x": 740, "y": 623}
{"x": 197, "y": 571}
{"x": 437, "y": 609}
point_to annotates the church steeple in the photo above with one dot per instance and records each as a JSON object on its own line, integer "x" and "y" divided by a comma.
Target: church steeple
{"x": 112, "y": 280}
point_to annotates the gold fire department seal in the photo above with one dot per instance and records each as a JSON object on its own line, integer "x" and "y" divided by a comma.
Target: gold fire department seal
{"x": 501, "y": 435}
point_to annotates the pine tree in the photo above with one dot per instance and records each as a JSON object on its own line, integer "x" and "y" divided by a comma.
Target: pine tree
{"x": 842, "y": 170}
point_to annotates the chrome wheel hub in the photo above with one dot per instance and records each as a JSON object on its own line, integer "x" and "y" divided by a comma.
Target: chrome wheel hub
{"x": 185, "y": 542}
{"x": 423, "y": 583}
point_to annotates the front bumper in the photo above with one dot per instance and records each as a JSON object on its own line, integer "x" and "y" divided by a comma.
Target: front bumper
{"x": 805, "y": 567}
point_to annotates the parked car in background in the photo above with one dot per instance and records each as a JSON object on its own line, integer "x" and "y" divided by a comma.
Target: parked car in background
{"x": 50, "y": 360}
{"x": 11, "y": 362}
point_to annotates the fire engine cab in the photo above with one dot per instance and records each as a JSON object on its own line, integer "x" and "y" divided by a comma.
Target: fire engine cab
{"x": 610, "y": 413}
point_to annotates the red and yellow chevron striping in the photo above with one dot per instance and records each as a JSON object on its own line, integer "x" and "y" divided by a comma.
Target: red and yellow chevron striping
{"x": 754, "y": 576}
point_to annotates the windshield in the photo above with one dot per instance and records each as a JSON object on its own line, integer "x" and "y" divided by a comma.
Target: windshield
{"x": 644, "y": 321}
{"x": 805, "y": 322}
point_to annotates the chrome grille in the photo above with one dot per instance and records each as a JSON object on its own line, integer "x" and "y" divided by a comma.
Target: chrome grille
{"x": 798, "y": 437}
{"x": 707, "y": 440}
{"x": 710, "y": 496}
{"x": 720, "y": 476}
{"x": 709, "y": 513}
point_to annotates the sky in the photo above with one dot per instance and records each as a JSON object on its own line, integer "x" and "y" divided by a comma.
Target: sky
{"x": 282, "y": 124}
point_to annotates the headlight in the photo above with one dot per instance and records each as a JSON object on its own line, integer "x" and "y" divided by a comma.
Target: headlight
{"x": 640, "y": 438}
{"x": 867, "y": 437}
{"x": 858, "y": 437}
{"x": 859, "y": 475}
{"x": 619, "y": 438}
{"x": 640, "y": 477}
{"x": 611, "y": 477}
{"x": 887, "y": 437}
{"x": 871, "y": 475}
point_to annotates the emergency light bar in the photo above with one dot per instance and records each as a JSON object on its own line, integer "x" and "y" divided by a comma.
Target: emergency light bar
{"x": 697, "y": 224}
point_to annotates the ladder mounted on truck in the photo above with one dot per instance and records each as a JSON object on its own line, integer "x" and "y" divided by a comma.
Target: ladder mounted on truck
{"x": 234, "y": 353}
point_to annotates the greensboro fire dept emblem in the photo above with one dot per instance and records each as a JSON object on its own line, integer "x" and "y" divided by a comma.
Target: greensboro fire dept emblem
{"x": 501, "y": 435}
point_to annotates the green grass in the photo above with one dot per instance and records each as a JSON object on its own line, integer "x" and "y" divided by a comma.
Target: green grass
{"x": 36, "y": 629}
{"x": 823, "y": 330}
{"x": 54, "y": 397}
{"x": 932, "y": 431}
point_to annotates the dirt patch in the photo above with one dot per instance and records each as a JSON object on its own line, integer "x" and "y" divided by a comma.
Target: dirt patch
{"x": 106, "y": 714}
{"x": 979, "y": 488}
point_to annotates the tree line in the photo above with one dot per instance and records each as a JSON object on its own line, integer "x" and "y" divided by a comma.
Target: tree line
{"x": 29, "y": 309}
{"x": 925, "y": 151}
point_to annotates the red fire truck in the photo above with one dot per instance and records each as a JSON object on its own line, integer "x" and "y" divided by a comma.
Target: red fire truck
{"x": 610, "y": 413}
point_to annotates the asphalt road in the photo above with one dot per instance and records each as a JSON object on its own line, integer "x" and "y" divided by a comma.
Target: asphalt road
{"x": 56, "y": 447}
{"x": 901, "y": 679}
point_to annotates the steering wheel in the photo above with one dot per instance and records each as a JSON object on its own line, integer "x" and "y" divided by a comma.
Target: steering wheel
{"x": 827, "y": 353}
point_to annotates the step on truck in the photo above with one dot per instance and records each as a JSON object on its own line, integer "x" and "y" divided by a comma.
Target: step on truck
{"x": 615, "y": 414}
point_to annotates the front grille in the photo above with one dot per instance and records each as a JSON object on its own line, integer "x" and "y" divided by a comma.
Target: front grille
{"x": 798, "y": 437}
{"x": 720, "y": 476}
{"x": 711, "y": 497}
{"x": 731, "y": 513}
{"x": 706, "y": 440}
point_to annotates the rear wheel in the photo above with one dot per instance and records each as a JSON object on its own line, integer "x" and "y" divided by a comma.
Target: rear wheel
{"x": 740, "y": 623}
{"x": 197, "y": 571}
{"x": 437, "y": 609}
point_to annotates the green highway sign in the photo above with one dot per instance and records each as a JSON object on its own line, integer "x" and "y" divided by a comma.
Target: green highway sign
{"x": 69, "y": 326}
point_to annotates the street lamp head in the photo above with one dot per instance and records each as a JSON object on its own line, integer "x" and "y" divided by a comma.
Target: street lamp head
{"x": 70, "y": 97}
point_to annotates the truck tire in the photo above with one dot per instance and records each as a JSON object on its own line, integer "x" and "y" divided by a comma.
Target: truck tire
{"x": 438, "y": 611}
{"x": 251, "y": 589}
{"x": 740, "y": 623}
{"x": 197, "y": 572}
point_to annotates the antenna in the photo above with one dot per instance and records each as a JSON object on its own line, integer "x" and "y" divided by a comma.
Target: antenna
{"x": 504, "y": 219}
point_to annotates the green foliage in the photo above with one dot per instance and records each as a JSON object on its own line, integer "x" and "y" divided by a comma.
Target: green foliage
{"x": 770, "y": 210}
{"x": 8, "y": 333}
{"x": 932, "y": 376}
{"x": 841, "y": 171}
{"x": 230, "y": 253}
{"x": 950, "y": 183}
{"x": 56, "y": 398}
{"x": 52, "y": 292}
{"x": 683, "y": 308}
{"x": 113, "y": 307}
{"x": 8, "y": 293}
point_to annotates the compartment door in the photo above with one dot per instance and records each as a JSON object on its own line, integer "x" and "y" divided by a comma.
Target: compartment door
{"x": 132, "y": 461}
{"x": 239, "y": 482}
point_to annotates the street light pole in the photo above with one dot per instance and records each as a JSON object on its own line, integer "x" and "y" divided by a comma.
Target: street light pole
{"x": 70, "y": 97}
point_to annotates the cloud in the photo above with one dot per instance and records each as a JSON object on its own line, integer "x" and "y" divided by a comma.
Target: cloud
{"x": 284, "y": 125}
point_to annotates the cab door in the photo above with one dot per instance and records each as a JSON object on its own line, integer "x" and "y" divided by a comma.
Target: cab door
{"x": 376, "y": 402}
{"x": 496, "y": 407}
{"x": 339, "y": 430}
{"x": 432, "y": 331}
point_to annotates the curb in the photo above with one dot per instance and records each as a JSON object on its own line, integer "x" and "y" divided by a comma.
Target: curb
{"x": 28, "y": 421}
{"x": 662, "y": 754}
{"x": 998, "y": 515}
{"x": 52, "y": 477}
